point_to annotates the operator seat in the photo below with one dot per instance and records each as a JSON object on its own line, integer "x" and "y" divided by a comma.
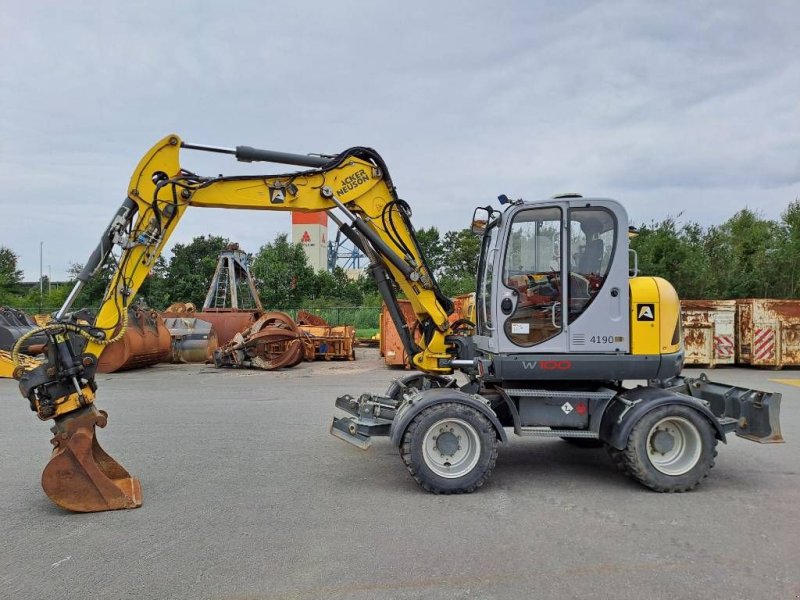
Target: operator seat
{"x": 592, "y": 257}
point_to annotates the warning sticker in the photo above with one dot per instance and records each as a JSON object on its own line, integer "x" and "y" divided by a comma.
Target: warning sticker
{"x": 567, "y": 408}
{"x": 520, "y": 328}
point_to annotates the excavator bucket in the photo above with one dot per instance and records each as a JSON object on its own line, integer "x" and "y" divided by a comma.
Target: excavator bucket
{"x": 81, "y": 476}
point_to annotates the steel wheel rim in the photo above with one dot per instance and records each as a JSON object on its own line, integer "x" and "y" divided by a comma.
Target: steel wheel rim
{"x": 445, "y": 461}
{"x": 685, "y": 452}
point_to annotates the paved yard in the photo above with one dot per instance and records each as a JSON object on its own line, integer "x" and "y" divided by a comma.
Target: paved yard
{"x": 246, "y": 496}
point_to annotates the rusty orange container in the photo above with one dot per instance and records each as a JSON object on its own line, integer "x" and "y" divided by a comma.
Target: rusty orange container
{"x": 464, "y": 308}
{"x": 768, "y": 332}
{"x": 331, "y": 342}
{"x": 391, "y": 347}
{"x": 146, "y": 342}
{"x": 227, "y": 323}
{"x": 709, "y": 332}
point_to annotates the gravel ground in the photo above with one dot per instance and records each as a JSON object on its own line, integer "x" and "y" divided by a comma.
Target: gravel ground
{"x": 246, "y": 496}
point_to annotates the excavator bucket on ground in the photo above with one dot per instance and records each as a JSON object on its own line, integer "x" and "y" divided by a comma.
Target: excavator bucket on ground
{"x": 81, "y": 476}
{"x": 146, "y": 342}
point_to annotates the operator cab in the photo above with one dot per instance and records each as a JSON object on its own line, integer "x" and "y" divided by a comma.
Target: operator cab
{"x": 553, "y": 277}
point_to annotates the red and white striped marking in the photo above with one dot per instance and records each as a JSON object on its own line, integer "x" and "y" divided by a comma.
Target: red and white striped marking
{"x": 764, "y": 344}
{"x": 723, "y": 345}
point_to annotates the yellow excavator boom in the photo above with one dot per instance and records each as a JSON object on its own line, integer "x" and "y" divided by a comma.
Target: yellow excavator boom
{"x": 353, "y": 187}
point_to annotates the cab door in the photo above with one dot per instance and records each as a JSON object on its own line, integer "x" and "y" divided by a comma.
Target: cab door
{"x": 597, "y": 294}
{"x": 531, "y": 294}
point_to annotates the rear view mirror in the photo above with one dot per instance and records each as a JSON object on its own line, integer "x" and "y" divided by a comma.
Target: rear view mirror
{"x": 480, "y": 219}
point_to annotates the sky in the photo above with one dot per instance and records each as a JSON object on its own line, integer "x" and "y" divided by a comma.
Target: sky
{"x": 688, "y": 109}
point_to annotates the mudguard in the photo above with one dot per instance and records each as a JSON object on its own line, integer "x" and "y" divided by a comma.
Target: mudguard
{"x": 426, "y": 398}
{"x": 626, "y": 408}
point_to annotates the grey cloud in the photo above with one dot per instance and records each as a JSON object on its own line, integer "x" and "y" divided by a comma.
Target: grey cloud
{"x": 669, "y": 107}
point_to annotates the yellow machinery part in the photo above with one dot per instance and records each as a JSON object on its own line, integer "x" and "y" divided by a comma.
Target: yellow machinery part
{"x": 655, "y": 316}
{"x": 7, "y": 366}
{"x": 670, "y": 322}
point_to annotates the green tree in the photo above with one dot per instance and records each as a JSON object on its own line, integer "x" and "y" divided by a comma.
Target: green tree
{"x": 752, "y": 241}
{"x": 334, "y": 288}
{"x": 91, "y": 295}
{"x": 283, "y": 275}
{"x": 190, "y": 270}
{"x": 460, "y": 255}
{"x": 677, "y": 254}
{"x": 787, "y": 252}
{"x": 430, "y": 243}
{"x": 10, "y": 275}
{"x": 155, "y": 291}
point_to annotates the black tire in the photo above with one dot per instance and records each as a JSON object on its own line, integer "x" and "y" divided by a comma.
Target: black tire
{"x": 583, "y": 442}
{"x": 419, "y": 381}
{"x": 424, "y": 467}
{"x": 682, "y": 461}
{"x": 617, "y": 459}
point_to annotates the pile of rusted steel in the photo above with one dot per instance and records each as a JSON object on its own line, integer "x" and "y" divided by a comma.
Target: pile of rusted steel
{"x": 272, "y": 342}
{"x": 276, "y": 341}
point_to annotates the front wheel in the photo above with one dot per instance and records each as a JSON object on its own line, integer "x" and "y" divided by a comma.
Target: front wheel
{"x": 670, "y": 449}
{"x": 450, "y": 448}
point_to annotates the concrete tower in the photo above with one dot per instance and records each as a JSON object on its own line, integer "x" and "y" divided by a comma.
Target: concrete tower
{"x": 311, "y": 231}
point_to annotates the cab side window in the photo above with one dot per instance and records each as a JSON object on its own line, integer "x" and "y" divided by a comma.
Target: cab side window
{"x": 592, "y": 243}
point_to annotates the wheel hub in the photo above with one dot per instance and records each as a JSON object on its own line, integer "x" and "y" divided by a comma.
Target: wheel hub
{"x": 447, "y": 443}
{"x": 674, "y": 445}
{"x": 663, "y": 441}
{"x": 451, "y": 448}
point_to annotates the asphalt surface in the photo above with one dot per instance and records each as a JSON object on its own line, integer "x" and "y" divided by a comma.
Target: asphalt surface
{"x": 247, "y": 496}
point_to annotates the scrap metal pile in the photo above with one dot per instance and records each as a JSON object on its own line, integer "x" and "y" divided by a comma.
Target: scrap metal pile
{"x": 273, "y": 342}
{"x": 231, "y": 330}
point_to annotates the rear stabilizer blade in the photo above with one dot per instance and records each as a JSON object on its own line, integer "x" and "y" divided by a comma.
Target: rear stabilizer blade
{"x": 347, "y": 429}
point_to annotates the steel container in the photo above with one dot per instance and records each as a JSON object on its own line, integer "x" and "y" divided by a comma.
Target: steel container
{"x": 193, "y": 340}
{"x": 391, "y": 346}
{"x": 464, "y": 308}
{"x": 768, "y": 332}
{"x": 331, "y": 342}
{"x": 709, "y": 332}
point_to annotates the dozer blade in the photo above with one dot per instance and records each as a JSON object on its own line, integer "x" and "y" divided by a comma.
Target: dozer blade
{"x": 81, "y": 476}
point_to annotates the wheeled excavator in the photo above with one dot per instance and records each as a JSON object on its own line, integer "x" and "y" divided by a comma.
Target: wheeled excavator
{"x": 563, "y": 321}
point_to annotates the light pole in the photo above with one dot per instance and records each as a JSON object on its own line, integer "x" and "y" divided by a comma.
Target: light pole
{"x": 41, "y": 277}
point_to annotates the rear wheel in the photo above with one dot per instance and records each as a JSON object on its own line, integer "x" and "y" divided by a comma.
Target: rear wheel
{"x": 670, "y": 449}
{"x": 450, "y": 448}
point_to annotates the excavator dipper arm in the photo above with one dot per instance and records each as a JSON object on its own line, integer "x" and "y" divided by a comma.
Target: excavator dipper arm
{"x": 353, "y": 187}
